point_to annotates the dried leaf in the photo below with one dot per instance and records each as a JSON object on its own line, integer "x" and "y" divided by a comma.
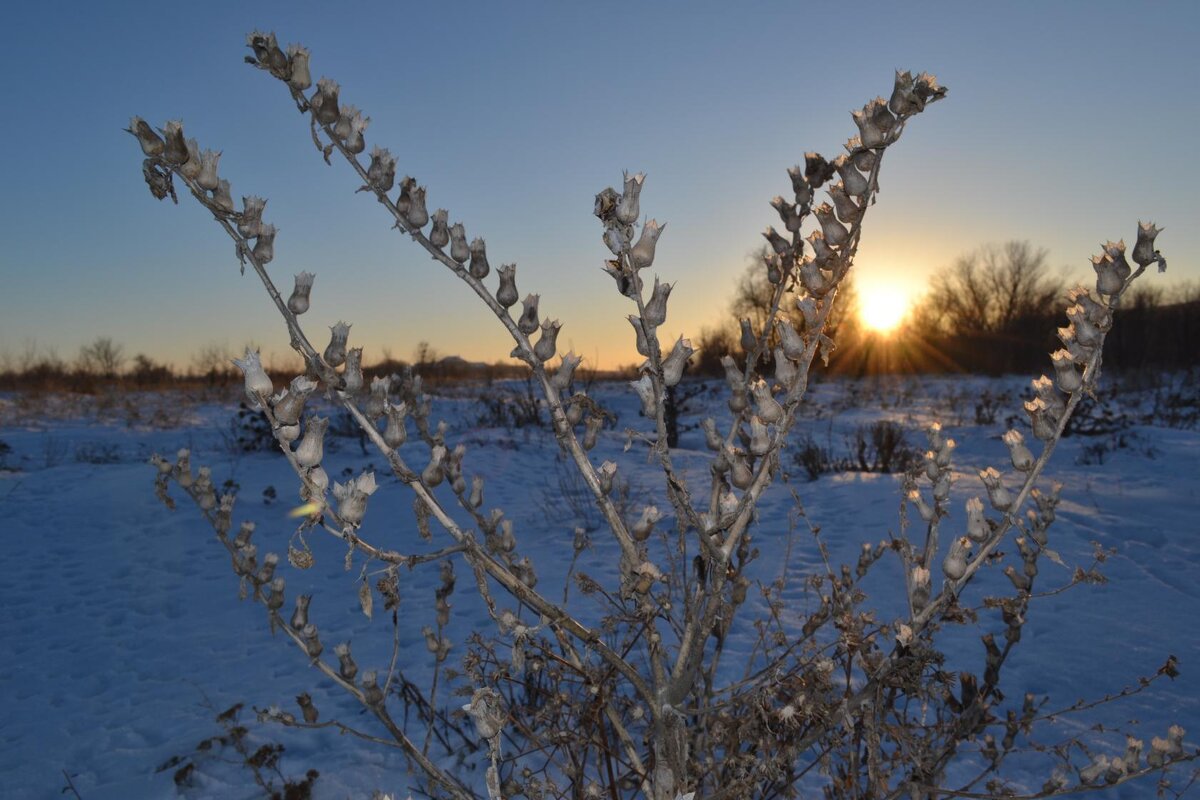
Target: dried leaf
{"x": 1053, "y": 556}
{"x": 365, "y": 599}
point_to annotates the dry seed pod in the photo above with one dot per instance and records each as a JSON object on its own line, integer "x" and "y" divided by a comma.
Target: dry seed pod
{"x": 527, "y": 323}
{"x": 506, "y": 294}
{"x": 641, "y": 255}
{"x": 627, "y": 211}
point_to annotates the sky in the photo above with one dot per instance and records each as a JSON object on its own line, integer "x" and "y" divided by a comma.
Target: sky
{"x": 1066, "y": 124}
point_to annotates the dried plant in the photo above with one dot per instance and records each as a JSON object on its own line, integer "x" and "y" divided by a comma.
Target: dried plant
{"x": 839, "y": 698}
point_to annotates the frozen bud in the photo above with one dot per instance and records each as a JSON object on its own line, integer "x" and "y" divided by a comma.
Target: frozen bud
{"x": 904, "y": 101}
{"x": 275, "y": 595}
{"x": 486, "y": 709}
{"x": 352, "y": 376}
{"x": 1143, "y": 251}
{"x": 1022, "y": 458}
{"x": 712, "y": 439}
{"x": 1093, "y": 772}
{"x": 643, "y": 346}
{"x": 207, "y": 178}
{"x": 152, "y": 144}
{"x": 335, "y": 352}
{"x": 1001, "y": 499}
{"x": 223, "y": 199}
{"x": 191, "y": 168}
{"x": 565, "y": 372}
{"x": 311, "y": 449}
{"x": 459, "y": 250}
{"x": 787, "y": 213}
{"x": 919, "y": 584}
{"x": 673, "y": 364}
{"x": 847, "y": 210}
{"x": 605, "y": 474}
{"x": 325, "y": 102}
{"x": 433, "y": 474}
{"x": 594, "y": 424}
{"x": 381, "y": 173}
{"x": 175, "y": 150}
{"x": 642, "y": 253}
{"x": 249, "y": 222}
{"x": 1108, "y": 280}
{"x": 626, "y": 210}
{"x": 299, "y": 301}
{"x": 800, "y": 186}
{"x": 439, "y": 234}
{"x": 528, "y": 321}
{"x": 506, "y": 294}
{"x": 977, "y": 525}
{"x": 299, "y": 619}
{"x": 1068, "y": 378}
{"x": 479, "y": 262}
{"x": 778, "y": 243}
{"x": 835, "y": 233}
{"x": 766, "y": 407}
{"x": 955, "y": 564}
{"x": 547, "y": 344}
{"x": 656, "y": 308}
{"x": 789, "y": 340}
{"x": 417, "y": 216}
{"x": 298, "y": 75}
{"x": 352, "y": 497}
{"x": 645, "y": 391}
{"x": 258, "y": 383}
{"x": 760, "y": 441}
{"x": 372, "y": 694}
{"x": 924, "y": 509}
{"x": 645, "y": 524}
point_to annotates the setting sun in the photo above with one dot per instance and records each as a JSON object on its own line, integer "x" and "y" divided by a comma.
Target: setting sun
{"x": 882, "y": 308}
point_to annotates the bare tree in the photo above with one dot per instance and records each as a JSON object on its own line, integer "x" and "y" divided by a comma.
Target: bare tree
{"x": 102, "y": 357}
{"x": 995, "y": 290}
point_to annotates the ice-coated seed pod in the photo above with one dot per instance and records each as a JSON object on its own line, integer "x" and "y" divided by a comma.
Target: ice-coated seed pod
{"x": 459, "y": 250}
{"x": 853, "y": 182}
{"x": 434, "y": 472}
{"x": 644, "y": 387}
{"x": 591, "y": 432}
{"x": 335, "y": 351}
{"x": 506, "y": 294}
{"x": 748, "y": 341}
{"x": 275, "y": 596}
{"x": 835, "y": 233}
{"x": 372, "y": 694}
{"x": 381, "y": 173}
{"x": 924, "y": 509}
{"x": 1093, "y": 771}
{"x": 249, "y": 223}
{"x": 785, "y": 369}
{"x": 191, "y": 168}
{"x": 1116, "y": 252}
{"x": 767, "y": 408}
{"x": 643, "y": 346}
{"x": 325, "y": 102}
{"x": 355, "y": 143}
{"x": 1020, "y": 581}
{"x": 527, "y": 323}
{"x": 289, "y": 404}
{"x": 175, "y": 150}
{"x": 487, "y": 710}
{"x": 264, "y": 245}
{"x": 641, "y": 255}
{"x": 299, "y": 77}
{"x": 627, "y": 211}
{"x": 1143, "y": 250}
{"x": 739, "y": 471}
{"x": 311, "y": 449}
{"x": 258, "y": 383}
{"x": 919, "y": 584}
{"x": 561, "y": 379}
{"x": 1108, "y": 280}
{"x": 712, "y": 439}
{"x": 312, "y": 640}
{"x": 789, "y": 340}
{"x": 822, "y": 252}
{"x": 352, "y": 497}
{"x": 733, "y": 374}
{"x": 439, "y": 234}
{"x": 656, "y": 308}
{"x": 977, "y": 526}
{"x": 547, "y": 344}
{"x": 945, "y": 453}
{"x": 760, "y": 441}
{"x": 300, "y": 616}
{"x": 376, "y": 405}
{"x": 1068, "y": 378}
{"x": 800, "y": 186}
{"x": 997, "y": 493}
{"x": 476, "y": 497}
{"x": 207, "y": 178}
{"x": 778, "y": 243}
{"x": 151, "y": 143}
{"x": 1022, "y": 458}
{"x": 673, "y": 364}
{"x": 787, "y": 214}
{"x": 616, "y": 240}
{"x": 352, "y": 375}
{"x": 847, "y": 210}
{"x": 574, "y": 413}
{"x": 417, "y": 216}
{"x": 1133, "y": 752}
{"x": 814, "y": 279}
{"x": 605, "y": 474}
{"x": 479, "y": 263}
{"x": 298, "y": 303}
{"x": 955, "y": 564}
{"x": 941, "y": 487}
{"x": 223, "y": 199}
{"x": 341, "y": 128}
{"x": 319, "y": 479}
{"x": 645, "y": 524}
{"x": 307, "y": 709}
{"x": 874, "y": 123}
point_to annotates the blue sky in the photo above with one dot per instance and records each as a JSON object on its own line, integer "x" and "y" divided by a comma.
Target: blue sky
{"x": 1066, "y": 123}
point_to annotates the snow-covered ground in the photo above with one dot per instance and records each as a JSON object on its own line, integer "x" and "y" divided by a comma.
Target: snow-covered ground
{"x": 123, "y": 636}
